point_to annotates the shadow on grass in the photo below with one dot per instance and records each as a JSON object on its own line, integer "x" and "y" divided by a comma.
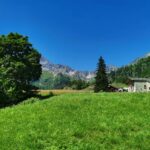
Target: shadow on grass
{"x": 35, "y": 97}
{"x": 43, "y": 97}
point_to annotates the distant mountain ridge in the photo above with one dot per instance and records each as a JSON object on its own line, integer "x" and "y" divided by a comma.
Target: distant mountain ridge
{"x": 140, "y": 68}
{"x": 66, "y": 70}
{"x": 137, "y": 59}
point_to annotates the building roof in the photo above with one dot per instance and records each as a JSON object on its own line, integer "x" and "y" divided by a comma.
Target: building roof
{"x": 140, "y": 79}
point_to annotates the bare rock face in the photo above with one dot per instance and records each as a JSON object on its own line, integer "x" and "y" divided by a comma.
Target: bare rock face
{"x": 58, "y": 68}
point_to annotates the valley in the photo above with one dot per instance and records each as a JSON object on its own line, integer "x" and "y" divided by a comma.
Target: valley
{"x": 54, "y": 74}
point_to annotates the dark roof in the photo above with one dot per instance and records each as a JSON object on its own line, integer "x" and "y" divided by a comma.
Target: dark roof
{"x": 140, "y": 79}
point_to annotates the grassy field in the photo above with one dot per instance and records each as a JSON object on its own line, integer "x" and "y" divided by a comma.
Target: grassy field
{"x": 78, "y": 121}
{"x": 119, "y": 85}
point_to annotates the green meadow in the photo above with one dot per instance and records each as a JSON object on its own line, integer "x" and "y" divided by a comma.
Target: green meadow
{"x": 78, "y": 121}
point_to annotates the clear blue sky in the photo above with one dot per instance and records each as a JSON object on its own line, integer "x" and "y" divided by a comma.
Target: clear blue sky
{"x": 77, "y": 32}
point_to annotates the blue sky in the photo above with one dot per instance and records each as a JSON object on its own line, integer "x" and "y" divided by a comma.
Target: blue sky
{"x": 77, "y": 32}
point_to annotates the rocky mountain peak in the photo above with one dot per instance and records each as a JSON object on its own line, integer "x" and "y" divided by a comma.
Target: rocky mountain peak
{"x": 66, "y": 70}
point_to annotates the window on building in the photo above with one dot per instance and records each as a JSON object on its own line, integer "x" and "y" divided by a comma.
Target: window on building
{"x": 145, "y": 87}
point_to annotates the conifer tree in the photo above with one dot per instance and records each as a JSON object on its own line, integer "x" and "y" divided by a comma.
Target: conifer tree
{"x": 101, "y": 80}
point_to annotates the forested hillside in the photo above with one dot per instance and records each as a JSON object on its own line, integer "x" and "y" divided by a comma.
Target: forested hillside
{"x": 140, "y": 69}
{"x": 60, "y": 81}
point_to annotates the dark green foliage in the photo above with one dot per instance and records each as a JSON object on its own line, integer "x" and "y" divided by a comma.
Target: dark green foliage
{"x": 139, "y": 69}
{"x": 79, "y": 84}
{"x": 46, "y": 81}
{"x": 101, "y": 81}
{"x": 19, "y": 65}
{"x": 60, "y": 81}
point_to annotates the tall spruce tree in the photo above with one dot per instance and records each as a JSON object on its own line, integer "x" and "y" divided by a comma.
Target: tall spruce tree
{"x": 101, "y": 80}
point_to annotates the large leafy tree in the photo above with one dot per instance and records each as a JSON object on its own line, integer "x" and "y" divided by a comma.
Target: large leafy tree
{"x": 19, "y": 66}
{"x": 101, "y": 80}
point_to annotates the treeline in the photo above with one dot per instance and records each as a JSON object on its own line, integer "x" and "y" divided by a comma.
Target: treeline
{"x": 140, "y": 69}
{"x": 59, "y": 81}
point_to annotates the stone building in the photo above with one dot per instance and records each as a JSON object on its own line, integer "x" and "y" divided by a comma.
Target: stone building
{"x": 139, "y": 85}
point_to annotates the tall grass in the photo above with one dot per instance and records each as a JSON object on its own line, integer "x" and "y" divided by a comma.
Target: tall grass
{"x": 82, "y": 121}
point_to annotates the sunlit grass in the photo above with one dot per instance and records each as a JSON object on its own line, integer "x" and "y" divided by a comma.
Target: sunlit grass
{"x": 78, "y": 121}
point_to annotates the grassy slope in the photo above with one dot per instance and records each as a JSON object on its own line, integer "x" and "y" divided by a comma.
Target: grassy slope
{"x": 78, "y": 121}
{"x": 119, "y": 85}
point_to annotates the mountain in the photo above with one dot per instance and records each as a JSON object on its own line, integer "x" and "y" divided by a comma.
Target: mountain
{"x": 55, "y": 68}
{"x": 137, "y": 59}
{"x": 66, "y": 70}
{"x": 110, "y": 68}
{"x": 140, "y": 68}
{"x": 56, "y": 76}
